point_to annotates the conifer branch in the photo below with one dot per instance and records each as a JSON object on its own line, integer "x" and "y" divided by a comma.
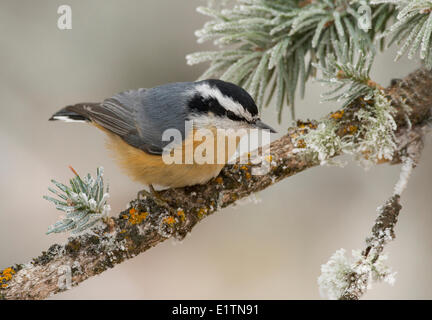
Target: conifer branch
{"x": 147, "y": 223}
{"x": 278, "y": 44}
{"x": 413, "y": 28}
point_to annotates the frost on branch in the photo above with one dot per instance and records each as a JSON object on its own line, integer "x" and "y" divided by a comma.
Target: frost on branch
{"x": 350, "y": 279}
{"x": 377, "y": 140}
{"x": 406, "y": 170}
{"x": 84, "y": 203}
{"x": 365, "y": 125}
{"x": 368, "y": 134}
{"x": 339, "y": 271}
{"x": 323, "y": 142}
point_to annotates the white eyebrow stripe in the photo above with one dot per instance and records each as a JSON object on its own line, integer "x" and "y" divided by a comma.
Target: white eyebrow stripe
{"x": 228, "y": 103}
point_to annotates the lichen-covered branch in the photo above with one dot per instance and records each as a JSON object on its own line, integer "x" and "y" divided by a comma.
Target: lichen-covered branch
{"x": 368, "y": 267}
{"x": 348, "y": 279}
{"x": 149, "y": 222}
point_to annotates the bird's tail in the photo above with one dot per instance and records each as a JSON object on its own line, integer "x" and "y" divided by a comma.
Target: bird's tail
{"x": 73, "y": 113}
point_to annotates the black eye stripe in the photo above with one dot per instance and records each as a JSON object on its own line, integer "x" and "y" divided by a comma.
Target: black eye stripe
{"x": 234, "y": 92}
{"x": 231, "y": 115}
{"x": 201, "y": 105}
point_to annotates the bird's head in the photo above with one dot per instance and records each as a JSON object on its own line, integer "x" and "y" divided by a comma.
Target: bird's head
{"x": 225, "y": 105}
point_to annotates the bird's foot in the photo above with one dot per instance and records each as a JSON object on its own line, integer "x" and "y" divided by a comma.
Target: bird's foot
{"x": 155, "y": 196}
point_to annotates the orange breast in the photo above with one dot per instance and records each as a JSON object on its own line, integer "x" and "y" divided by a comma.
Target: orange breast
{"x": 151, "y": 169}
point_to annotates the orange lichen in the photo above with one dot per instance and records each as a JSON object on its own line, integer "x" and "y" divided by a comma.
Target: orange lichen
{"x": 182, "y": 215}
{"x": 269, "y": 158}
{"x": 301, "y": 144}
{"x": 244, "y": 168}
{"x": 337, "y": 115}
{"x": 8, "y": 271}
{"x": 304, "y": 127}
{"x": 366, "y": 155}
{"x": 294, "y": 136}
{"x": 352, "y": 129}
{"x": 219, "y": 180}
{"x": 6, "y": 275}
{"x": 169, "y": 220}
{"x": 382, "y": 160}
{"x": 134, "y": 217}
{"x": 202, "y": 212}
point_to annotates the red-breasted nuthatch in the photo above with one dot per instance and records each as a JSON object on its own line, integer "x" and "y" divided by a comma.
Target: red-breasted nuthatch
{"x": 136, "y": 120}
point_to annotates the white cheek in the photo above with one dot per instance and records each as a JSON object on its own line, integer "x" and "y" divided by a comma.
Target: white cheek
{"x": 206, "y": 121}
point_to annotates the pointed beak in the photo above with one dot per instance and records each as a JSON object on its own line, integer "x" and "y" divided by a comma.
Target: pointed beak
{"x": 261, "y": 125}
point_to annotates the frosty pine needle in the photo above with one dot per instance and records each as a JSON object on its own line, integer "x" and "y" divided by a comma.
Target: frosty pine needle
{"x": 84, "y": 202}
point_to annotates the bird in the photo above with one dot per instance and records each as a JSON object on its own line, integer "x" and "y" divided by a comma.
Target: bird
{"x": 135, "y": 122}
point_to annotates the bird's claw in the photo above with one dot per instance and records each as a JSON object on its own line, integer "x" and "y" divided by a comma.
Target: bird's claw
{"x": 155, "y": 196}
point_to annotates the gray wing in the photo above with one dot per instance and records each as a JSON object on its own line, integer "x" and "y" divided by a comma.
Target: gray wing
{"x": 139, "y": 117}
{"x": 122, "y": 115}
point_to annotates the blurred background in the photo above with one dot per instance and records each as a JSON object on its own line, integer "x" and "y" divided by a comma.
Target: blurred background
{"x": 269, "y": 250}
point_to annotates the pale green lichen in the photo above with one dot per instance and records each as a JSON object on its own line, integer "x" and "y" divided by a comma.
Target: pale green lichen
{"x": 338, "y": 273}
{"x": 371, "y": 141}
{"x": 323, "y": 142}
{"x": 377, "y": 139}
{"x": 368, "y": 134}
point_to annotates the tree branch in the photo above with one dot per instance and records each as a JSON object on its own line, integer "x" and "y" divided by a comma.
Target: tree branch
{"x": 148, "y": 222}
{"x": 383, "y": 231}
